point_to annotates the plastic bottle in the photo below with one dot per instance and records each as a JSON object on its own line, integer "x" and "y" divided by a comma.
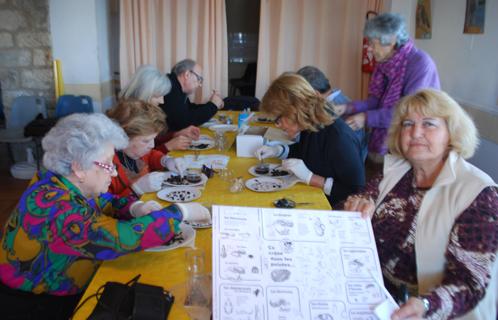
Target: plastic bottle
{"x": 29, "y": 156}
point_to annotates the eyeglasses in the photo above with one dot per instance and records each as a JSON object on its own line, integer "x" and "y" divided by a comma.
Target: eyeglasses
{"x": 109, "y": 168}
{"x": 198, "y": 76}
{"x": 277, "y": 120}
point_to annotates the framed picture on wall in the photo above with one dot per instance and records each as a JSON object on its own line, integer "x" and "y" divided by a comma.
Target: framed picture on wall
{"x": 423, "y": 20}
{"x": 474, "y": 16}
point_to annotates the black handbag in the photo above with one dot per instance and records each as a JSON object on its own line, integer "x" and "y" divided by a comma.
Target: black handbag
{"x": 132, "y": 300}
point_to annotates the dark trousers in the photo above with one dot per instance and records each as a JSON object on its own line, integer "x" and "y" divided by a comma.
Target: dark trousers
{"x": 22, "y": 305}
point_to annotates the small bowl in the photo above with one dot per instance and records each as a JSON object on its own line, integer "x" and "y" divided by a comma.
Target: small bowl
{"x": 262, "y": 168}
{"x": 193, "y": 175}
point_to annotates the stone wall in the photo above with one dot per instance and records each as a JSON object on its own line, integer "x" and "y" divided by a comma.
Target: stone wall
{"x": 25, "y": 50}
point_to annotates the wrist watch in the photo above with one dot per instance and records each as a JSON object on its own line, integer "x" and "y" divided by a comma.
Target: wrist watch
{"x": 427, "y": 304}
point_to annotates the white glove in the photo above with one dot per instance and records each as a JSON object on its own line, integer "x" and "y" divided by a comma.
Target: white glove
{"x": 140, "y": 208}
{"x": 174, "y": 164}
{"x": 269, "y": 151}
{"x": 193, "y": 211}
{"x": 150, "y": 182}
{"x": 298, "y": 168}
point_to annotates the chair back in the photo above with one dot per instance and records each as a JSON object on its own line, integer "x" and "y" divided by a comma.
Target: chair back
{"x": 25, "y": 109}
{"x": 69, "y": 104}
{"x": 240, "y": 103}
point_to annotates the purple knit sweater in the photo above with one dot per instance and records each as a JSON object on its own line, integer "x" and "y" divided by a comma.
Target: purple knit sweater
{"x": 421, "y": 72}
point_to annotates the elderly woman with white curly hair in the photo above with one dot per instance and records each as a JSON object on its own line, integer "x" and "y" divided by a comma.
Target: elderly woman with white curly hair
{"x": 150, "y": 85}
{"x": 401, "y": 69}
{"x": 66, "y": 223}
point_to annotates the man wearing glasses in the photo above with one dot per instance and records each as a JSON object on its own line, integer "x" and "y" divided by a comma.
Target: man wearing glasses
{"x": 186, "y": 77}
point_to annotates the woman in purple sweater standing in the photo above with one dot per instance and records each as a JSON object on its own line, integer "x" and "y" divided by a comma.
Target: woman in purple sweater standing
{"x": 401, "y": 69}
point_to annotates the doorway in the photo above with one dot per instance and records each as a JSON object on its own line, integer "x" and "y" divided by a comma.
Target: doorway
{"x": 243, "y": 33}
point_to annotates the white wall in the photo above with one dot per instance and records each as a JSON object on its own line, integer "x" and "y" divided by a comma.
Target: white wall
{"x": 467, "y": 65}
{"x": 74, "y": 39}
{"x": 80, "y": 36}
{"x": 103, "y": 40}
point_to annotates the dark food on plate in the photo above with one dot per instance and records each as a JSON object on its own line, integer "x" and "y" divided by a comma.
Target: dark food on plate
{"x": 180, "y": 195}
{"x": 262, "y": 168}
{"x": 266, "y": 186}
{"x": 284, "y": 203}
{"x": 199, "y": 146}
{"x": 279, "y": 173}
{"x": 177, "y": 238}
{"x": 177, "y": 180}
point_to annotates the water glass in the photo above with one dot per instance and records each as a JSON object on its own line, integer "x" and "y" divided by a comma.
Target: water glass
{"x": 195, "y": 260}
{"x": 220, "y": 140}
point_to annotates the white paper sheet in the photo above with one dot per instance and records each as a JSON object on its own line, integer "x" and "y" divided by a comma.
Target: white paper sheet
{"x": 214, "y": 161}
{"x": 293, "y": 264}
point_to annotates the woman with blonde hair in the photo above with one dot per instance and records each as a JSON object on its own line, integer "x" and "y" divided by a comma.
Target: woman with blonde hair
{"x": 135, "y": 164}
{"x": 149, "y": 85}
{"x": 434, "y": 215}
{"x": 327, "y": 152}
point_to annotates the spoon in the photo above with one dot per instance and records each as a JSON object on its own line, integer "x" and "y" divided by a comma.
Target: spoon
{"x": 288, "y": 203}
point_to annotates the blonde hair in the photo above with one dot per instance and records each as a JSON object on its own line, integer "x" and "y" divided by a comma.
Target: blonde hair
{"x": 291, "y": 96}
{"x": 464, "y": 137}
{"x": 138, "y": 118}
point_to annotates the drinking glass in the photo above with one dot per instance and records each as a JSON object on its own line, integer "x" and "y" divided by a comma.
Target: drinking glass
{"x": 198, "y": 286}
{"x": 220, "y": 140}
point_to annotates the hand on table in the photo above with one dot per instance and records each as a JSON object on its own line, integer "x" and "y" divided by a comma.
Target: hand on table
{"x": 357, "y": 121}
{"x": 151, "y": 182}
{"x": 269, "y": 152}
{"x": 194, "y": 211}
{"x": 140, "y": 208}
{"x": 340, "y": 109}
{"x": 191, "y": 132}
{"x": 177, "y": 165}
{"x": 299, "y": 169}
{"x": 413, "y": 309}
{"x": 178, "y": 143}
{"x": 361, "y": 204}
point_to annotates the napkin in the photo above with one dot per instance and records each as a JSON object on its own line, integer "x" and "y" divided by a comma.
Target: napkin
{"x": 215, "y": 161}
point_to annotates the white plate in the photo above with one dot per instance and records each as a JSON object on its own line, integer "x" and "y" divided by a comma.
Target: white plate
{"x": 185, "y": 183}
{"x": 223, "y": 127}
{"x": 188, "y": 235}
{"x": 209, "y": 123}
{"x": 204, "y": 139}
{"x": 252, "y": 170}
{"x": 201, "y": 224}
{"x": 179, "y": 194}
{"x": 264, "y": 184}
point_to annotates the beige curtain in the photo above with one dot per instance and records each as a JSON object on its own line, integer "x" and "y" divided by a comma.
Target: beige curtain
{"x": 323, "y": 33}
{"x": 163, "y": 32}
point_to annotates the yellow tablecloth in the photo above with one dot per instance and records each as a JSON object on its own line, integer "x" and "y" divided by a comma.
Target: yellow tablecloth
{"x": 168, "y": 269}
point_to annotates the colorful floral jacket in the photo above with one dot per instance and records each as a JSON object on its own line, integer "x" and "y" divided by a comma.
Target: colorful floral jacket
{"x": 55, "y": 238}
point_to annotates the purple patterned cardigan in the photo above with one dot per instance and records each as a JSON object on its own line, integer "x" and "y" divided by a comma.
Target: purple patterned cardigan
{"x": 420, "y": 73}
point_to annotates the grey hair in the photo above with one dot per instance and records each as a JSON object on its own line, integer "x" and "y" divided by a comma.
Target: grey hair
{"x": 316, "y": 78}
{"x": 183, "y": 66}
{"x": 383, "y": 27}
{"x": 80, "y": 138}
{"x": 146, "y": 83}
